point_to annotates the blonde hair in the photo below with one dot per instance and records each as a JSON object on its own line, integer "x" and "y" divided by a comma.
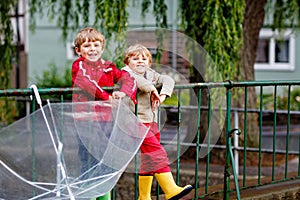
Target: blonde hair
{"x": 90, "y": 35}
{"x": 135, "y": 50}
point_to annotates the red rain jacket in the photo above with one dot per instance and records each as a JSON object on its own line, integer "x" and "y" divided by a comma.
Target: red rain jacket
{"x": 92, "y": 76}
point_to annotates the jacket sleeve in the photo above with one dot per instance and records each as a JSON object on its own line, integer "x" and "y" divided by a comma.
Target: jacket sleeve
{"x": 166, "y": 82}
{"x": 83, "y": 81}
{"x": 142, "y": 83}
{"x": 127, "y": 83}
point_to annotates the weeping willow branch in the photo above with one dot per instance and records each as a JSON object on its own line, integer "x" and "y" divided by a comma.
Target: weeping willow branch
{"x": 110, "y": 17}
{"x": 160, "y": 13}
{"x": 282, "y": 14}
{"x": 8, "y": 51}
{"x": 6, "y": 37}
{"x": 217, "y": 26}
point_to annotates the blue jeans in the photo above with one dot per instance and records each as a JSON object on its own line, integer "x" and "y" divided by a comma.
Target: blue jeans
{"x": 86, "y": 158}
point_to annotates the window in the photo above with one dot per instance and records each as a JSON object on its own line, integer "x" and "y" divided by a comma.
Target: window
{"x": 275, "y": 51}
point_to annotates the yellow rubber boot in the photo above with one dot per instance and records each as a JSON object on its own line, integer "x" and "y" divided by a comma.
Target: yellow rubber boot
{"x": 145, "y": 184}
{"x": 168, "y": 185}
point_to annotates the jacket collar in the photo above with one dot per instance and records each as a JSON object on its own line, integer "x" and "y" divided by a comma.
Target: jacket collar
{"x": 98, "y": 63}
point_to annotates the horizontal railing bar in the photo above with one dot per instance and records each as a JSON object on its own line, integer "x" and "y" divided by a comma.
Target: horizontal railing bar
{"x": 233, "y": 148}
{"x": 238, "y": 84}
{"x": 28, "y": 91}
{"x": 250, "y": 110}
{"x": 43, "y": 91}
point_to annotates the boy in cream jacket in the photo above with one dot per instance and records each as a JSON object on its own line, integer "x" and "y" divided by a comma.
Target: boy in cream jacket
{"x": 154, "y": 160}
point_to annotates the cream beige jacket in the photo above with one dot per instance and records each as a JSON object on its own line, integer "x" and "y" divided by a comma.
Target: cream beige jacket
{"x": 147, "y": 83}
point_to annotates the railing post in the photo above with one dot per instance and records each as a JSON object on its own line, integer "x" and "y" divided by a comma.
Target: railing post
{"x": 236, "y": 142}
{"x": 136, "y": 160}
{"x": 178, "y": 139}
{"x": 33, "y": 161}
{"x": 198, "y": 143}
{"x": 227, "y": 156}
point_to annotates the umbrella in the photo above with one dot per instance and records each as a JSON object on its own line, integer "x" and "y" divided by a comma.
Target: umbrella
{"x": 41, "y": 154}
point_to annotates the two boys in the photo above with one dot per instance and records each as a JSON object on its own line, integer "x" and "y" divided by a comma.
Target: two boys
{"x": 90, "y": 72}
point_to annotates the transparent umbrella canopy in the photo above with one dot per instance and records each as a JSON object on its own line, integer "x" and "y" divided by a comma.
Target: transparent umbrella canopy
{"x": 41, "y": 155}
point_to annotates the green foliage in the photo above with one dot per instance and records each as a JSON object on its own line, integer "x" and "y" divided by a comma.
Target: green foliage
{"x": 52, "y": 78}
{"x": 6, "y": 42}
{"x": 160, "y": 13}
{"x": 108, "y": 16}
{"x": 6, "y": 58}
{"x": 8, "y": 112}
{"x": 295, "y": 100}
{"x": 217, "y": 26}
{"x": 282, "y": 101}
{"x": 174, "y": 99}
{"x": 171, "y": 101}
{"x": 282, "y": 14}
{"x": 71, "y": 15}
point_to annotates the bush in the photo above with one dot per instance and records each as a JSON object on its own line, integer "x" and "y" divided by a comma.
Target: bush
{"x": 282, "y": 101}
{"x": 52, "y": 78}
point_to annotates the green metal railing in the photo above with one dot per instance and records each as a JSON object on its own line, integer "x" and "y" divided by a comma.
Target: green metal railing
{"x": 203, "y": 177}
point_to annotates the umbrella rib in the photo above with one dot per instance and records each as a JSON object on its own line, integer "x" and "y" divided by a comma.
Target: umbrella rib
{"x": 36, "y": 93}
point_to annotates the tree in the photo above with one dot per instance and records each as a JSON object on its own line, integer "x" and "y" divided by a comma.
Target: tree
{"x": 283, "y": 14}
{"x": 7, "y": 52}
{"x": 7, "y": 46}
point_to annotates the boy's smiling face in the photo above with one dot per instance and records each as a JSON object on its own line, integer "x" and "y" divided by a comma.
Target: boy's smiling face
{"x": 138, "y": 63}
{"x": 91, "y": 50}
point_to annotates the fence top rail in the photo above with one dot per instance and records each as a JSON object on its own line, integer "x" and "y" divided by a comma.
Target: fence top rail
{"x": 42, "y": 91}
{"x": 29, "y": 91}
{"x": 231, "y": 84}
{"x": 226, "y": 84}
{"x": 264, "y": 83}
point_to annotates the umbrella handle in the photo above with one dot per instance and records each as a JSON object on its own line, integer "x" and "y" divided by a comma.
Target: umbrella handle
{"x": 36, "y": 94}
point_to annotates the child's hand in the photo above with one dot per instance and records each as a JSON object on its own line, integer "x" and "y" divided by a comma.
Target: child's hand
{"x": 155, "y": 99}
{"x": 118, "y": 95}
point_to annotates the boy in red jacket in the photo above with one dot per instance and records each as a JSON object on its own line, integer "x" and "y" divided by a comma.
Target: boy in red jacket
{"x": 90, "y": 73}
